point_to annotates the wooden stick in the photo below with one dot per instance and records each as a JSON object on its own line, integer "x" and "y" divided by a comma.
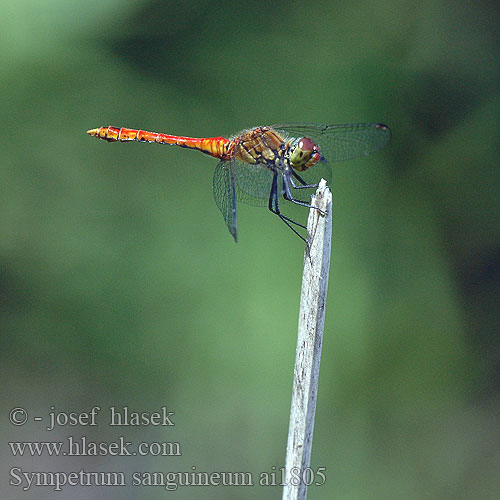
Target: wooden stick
{"x": 308, "y": 353}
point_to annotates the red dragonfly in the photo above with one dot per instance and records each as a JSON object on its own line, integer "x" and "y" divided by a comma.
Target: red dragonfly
{"x": 264, "y": 164}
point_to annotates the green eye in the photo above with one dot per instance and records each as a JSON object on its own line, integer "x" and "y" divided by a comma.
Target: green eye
{"x": 302, "y": 152}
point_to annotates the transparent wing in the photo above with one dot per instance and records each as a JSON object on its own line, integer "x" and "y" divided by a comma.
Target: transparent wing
{"x": 341, "y": 142}
{"x": 253, "y": 183}
{"x": 224, "y": 189}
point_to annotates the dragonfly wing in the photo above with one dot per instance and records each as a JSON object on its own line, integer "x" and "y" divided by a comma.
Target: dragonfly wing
{"x": 341, "y": 142}
{"x": 224, "y": 188}
{"x": 253, "y": 183}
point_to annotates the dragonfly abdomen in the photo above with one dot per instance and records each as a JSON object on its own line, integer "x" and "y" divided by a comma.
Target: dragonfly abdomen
{"x": 213, "y": 146}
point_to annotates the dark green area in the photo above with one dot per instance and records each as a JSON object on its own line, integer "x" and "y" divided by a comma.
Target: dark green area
{"x": 120, "y": 284}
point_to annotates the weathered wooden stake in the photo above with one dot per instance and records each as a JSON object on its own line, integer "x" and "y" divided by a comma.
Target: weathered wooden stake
{"x": 309, "y": 342}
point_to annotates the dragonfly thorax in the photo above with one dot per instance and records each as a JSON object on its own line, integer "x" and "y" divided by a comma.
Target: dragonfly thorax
{"x": 261, "y": 145}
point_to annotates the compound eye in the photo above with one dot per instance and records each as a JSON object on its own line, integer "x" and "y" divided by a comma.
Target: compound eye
{"x": 306, "y": 144}
{"x": 302, "y": 152}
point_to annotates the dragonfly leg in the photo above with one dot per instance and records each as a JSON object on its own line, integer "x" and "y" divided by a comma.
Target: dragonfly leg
{"x": 274, "y": 208}
{"x": 303, "y": 183}
{"x": 288, "y": 194}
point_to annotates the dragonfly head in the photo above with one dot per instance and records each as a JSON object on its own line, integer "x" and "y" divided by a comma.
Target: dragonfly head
{"x": 304, "y": 153}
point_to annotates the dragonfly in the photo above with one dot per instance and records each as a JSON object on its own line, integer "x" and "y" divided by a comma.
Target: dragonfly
{"x": 267, "y": 164}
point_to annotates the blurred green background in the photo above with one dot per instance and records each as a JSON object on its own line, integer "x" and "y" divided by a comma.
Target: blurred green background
{"x": 120, "y": 284}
